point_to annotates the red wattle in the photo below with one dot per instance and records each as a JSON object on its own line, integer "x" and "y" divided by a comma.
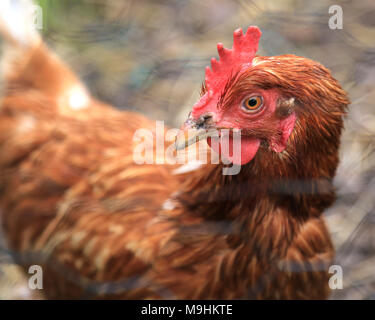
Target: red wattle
{"x": 236, "y": 154}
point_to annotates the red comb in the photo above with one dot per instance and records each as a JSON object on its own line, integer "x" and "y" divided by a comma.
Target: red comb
{"x": 239, "y": 58}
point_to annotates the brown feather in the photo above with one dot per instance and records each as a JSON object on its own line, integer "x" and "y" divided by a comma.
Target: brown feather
{"x": 74, "y": 201}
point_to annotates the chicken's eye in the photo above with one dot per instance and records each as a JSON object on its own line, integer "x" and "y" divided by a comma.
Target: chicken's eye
{"x": 252, "y": 104}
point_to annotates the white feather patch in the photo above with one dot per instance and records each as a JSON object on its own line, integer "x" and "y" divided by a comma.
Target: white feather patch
{"x": 191, "y": 166}
{"x": 26, "y": 124}
{"x": 19, "y": 21}
{"x": 168, "y": 205}
{"x": 78, "y": 98}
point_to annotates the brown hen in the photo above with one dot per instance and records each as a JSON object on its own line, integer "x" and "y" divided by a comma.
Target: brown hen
{"x": 74, "y": 201}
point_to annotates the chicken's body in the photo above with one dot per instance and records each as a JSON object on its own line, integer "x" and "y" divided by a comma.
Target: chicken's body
{"x": 74, "y": 201}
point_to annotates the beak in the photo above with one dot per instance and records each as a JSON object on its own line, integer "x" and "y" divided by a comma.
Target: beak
{"x": 194, "y": 130}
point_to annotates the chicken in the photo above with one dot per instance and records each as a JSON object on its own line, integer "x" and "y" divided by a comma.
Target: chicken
{"x": 74, "y": 201}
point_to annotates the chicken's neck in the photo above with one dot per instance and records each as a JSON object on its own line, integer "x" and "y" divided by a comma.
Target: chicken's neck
{"x": 256, "y": 189}
{"x": 246, "y": 207}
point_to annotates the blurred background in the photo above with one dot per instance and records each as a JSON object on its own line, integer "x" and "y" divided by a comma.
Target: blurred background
{"x": 149, "y": 56}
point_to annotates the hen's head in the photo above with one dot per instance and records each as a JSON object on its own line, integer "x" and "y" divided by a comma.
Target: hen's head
{"x": 283, "y": 105}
